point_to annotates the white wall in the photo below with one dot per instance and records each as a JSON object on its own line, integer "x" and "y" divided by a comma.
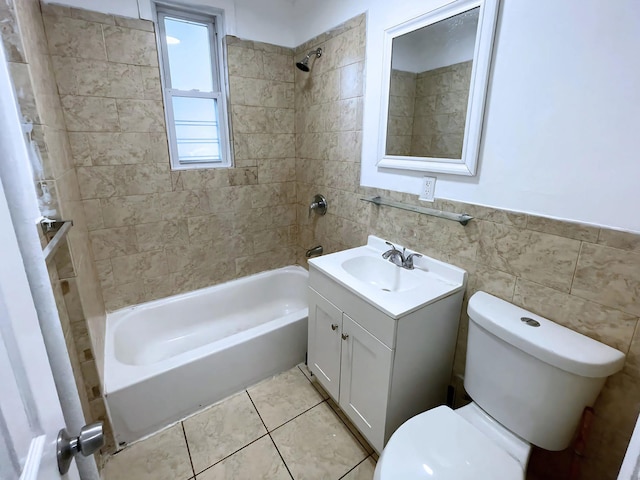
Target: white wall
{"x": 563, "y": 111}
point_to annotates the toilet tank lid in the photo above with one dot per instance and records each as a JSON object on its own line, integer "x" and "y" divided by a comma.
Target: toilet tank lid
{"x": 549, "y": 342}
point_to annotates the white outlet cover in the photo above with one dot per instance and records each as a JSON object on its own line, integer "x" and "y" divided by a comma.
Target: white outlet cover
{"x": 428, "y": 189}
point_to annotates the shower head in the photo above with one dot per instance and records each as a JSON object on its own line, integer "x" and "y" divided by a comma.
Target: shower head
{"x": 304, "y": 63}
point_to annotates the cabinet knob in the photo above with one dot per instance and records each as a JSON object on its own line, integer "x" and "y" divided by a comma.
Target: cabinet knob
{"x": 334, "y": 326}
{"x": 345, "y": 336}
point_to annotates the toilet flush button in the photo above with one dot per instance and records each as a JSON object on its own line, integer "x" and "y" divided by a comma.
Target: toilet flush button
{"x": 530, "y": 321}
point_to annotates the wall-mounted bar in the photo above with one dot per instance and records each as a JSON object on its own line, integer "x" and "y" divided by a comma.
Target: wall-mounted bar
{"x": 54, "y": 231}
{"x": 463, "y": 218}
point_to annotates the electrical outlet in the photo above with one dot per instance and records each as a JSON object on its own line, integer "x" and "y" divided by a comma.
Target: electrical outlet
{"x": 428, "y": 189}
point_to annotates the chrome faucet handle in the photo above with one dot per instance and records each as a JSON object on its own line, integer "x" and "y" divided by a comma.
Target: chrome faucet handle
{"x": 408, "y": 263}
{"x": 388, "y": 253}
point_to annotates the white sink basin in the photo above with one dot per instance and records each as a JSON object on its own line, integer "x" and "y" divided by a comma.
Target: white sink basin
{"x": 381, "y": 274}
{"x": 395, "y": 290}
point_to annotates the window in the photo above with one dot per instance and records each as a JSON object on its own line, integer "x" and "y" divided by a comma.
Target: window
{"x": 194, "y": 90}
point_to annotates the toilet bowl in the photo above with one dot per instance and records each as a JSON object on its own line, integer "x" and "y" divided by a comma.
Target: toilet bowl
{"x": 512, "y": 356}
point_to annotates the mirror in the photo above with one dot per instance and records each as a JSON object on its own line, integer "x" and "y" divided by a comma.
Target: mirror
{"x": 434, "y": 84}
{"x": 429, "y": 88}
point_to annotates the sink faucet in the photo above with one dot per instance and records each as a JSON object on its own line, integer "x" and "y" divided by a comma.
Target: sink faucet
{"x": 397, "y": 257}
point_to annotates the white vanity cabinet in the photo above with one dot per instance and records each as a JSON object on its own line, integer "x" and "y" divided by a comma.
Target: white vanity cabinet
{"x": 352, "y": 364}
{"x": 380, "y": 369}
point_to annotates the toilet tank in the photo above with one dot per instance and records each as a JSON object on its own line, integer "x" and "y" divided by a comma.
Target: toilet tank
{"x": 532, "y": 375}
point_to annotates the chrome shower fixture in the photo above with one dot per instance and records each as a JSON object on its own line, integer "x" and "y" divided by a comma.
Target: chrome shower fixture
{"x": 304, "y": 64}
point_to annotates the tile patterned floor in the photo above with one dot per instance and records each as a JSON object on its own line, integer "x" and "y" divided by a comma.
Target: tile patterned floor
{"x": 283, "y": 428}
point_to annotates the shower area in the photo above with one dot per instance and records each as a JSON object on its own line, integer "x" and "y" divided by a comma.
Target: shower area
{"x": 88, "y": 88}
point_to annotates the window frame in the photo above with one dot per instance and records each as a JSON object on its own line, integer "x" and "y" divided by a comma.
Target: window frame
{"x": 214, "y": 22}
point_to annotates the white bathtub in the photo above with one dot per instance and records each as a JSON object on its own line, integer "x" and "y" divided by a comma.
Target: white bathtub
{"x": 166, "y": 359}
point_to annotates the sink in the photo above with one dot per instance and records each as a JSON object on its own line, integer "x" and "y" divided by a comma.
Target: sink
{"x": 381, "y": 274}
{"x": 395, "y": 290}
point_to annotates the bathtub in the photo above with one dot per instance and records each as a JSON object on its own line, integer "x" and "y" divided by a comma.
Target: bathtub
{"x": 166, "y": 359}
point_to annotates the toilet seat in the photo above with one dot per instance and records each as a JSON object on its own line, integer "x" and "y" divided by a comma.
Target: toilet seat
{"x": 439, "y": 444}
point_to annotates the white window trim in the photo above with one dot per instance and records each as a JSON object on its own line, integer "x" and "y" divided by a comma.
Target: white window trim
{"x": 215, "y": 22}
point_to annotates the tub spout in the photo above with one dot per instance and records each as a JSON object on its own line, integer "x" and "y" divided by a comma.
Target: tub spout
{"x": 314, "y": 252}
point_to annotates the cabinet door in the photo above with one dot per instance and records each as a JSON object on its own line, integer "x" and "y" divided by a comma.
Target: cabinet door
{"x": 364, "y": 386}
{"x": 325, "y": 328}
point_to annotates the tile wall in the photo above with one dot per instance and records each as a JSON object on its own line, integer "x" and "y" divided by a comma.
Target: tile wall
{"x": 427, "y": 111}
{"x": 329, "y": 109}
{"x": 402, "y": 100}
{"x": 72, "y": 271}
{"x": 583, "y": 277}
{"x": 156, "y": 232}
{"x": 440, "y": 111}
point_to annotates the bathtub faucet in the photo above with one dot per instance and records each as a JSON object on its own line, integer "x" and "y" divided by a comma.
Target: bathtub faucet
{"x": 314, "y": 252}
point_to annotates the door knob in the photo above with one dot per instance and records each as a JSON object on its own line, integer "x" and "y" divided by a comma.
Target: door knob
{"x": 345, "y": 336}
{"x": 334, "y": 326}
{"x": 90, "y": 439}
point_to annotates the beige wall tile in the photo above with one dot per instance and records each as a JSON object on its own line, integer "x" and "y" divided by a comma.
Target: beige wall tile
{"x": 278, "y": 66}
{"x": 97, "y": 182}
{"x": 608, "y": 276}
{"x": 111, "y": 148}
{"x": 129, "y": 268}
{"x": 564, "y": 229}
{"x": 11, "y": 37}
{"x": 105, "y": 272}
{"x": 539, "y": 257}
{"x": 73, "y": 37}
{"x": 260, "y": 93}
{"x": 113, "y": 242}
{"x": 142, "y": 179}
{"x": 604, "y": 324}
{"x": 231, "y": 199}
{"x": 151, "y": 87}
{"x": 90, "y": 114}
{"x": 250, "y": 119}
{"x": 126, "y": 22}
{"x": 93, "y": 214}
{"x": 276, "y": 170}
{"x": 91, "y": 16}
{"x": 141, "y": 115}
{"x": 130, "y": 210}
{"x": 156, "y": 235}
{"x": 126, "y": 45}
{"x": 189, "y": 203}
{"x": 621, "y": 240}
{"x": 256, "y": 146}
{"x": 245, "y": 62}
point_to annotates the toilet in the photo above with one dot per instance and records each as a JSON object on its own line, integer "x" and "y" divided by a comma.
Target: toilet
{"x": 530, "y": 380}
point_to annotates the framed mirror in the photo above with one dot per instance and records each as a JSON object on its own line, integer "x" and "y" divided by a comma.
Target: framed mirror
{"x": 434, "y": 82}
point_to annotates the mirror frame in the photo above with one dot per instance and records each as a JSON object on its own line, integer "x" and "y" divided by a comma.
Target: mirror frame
{"x": 466, "y": 165}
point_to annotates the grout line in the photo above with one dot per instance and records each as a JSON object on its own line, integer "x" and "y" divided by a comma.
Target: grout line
{"x": 573, "y": 277}
{"x": 232, "y": 454}
{"x": 292, "y": 418}
{"x": 270, "y": 437}
{"x": 280, "y": 454}
{"x": 188, "y": 449}
{"x": 356, "y": 466}
{"x": 256, "y": 409}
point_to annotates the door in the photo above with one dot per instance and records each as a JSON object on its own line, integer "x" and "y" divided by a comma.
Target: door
{"x": 325, "y": 328}
{"x": 30, "y": 412}
{"x": 364, "y": 386}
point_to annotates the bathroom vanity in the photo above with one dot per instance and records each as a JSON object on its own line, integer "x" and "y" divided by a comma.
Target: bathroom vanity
{"x": 382, "y": 337}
